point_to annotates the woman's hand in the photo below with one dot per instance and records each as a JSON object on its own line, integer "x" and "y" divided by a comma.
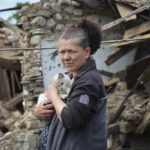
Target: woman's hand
{"x": 51, "y": 92}
{"x": 44, "y": 112}
{"x": 52, "y": 95}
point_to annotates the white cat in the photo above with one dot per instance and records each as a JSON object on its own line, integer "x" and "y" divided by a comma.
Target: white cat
{"x": 63, "y": 84}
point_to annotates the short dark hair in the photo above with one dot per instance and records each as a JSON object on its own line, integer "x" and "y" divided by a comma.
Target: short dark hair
{"x": 85, "y": 33}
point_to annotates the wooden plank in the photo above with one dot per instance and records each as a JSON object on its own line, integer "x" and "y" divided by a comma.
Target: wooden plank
{"x": 145, "y": 76}
{"x": 142, "y": 28}
{"x": 144, "y": 124}
{"x": 113, "y": 129}
{"x": 107, "y": 73}
{"x": 142, "y": 104}
{"x": 118, "y": 21}
{"x": 126, "y": 127}
{"x": 116, "y": 55}
{"x": 124, "y": 10}
{"x": 134, "y": 71}
{"x": 147, "y": 87}
{"x": 12, "y": 83}
{"x": 111, "y": 81}
{"x": 17, "y": 80}
{"x": 6, "y": 82}
{"x": 141, "y": 38}
{"x": 2, "y": 90}
{"x": 120, "y": 75}
{"x": 10, "y": 64}
{"x": 133, "y": 3}
{"x": 12, "y": 103}
{"x": 122, "y": 105}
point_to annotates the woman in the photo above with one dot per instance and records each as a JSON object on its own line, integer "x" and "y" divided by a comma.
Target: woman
{"x": 80, "y": 122}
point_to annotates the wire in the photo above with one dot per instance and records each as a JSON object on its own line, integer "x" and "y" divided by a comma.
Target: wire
{"x": 56, "y": 47}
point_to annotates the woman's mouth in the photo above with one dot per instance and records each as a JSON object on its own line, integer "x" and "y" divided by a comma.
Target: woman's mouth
{"x": 68, "y": 64}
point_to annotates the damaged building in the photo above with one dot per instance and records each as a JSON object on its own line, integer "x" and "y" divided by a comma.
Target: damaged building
{"x": 29, "y": 58}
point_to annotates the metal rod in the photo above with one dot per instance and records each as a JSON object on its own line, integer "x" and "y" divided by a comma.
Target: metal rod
{"x": 56, "y": 47}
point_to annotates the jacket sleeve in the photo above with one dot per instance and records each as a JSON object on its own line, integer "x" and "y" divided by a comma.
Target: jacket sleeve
{"x": 80, "y": 107}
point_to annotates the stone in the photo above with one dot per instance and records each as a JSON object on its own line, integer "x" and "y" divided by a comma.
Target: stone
{"x": 51, "y": 23}
{"x": 78, "y": 12}
{"x": 69, "y": 10}
{"x": 45, "y": 13}
{"x": 25, "y": 9}
{"x": 35, "y": 40}
{"x": 1, "y": 133}
{"x": 33, "y": 124}
{"x": 26, "y": 141}
{"x": 67, "y": 17}
{"x": 59, "y": 27}
{"x": 76, "y": 4}
{"x": 58, "y": 16}
{"x": 24, "y": 18}
{"x": 56, "y": 7}
{"x": 28, "y": 103}
{"x": 26, "y": 25}
{"x": 47, "y": 6}
{"x": 39, "y": 90}
{"x": 25, "y": 92}
{"x": 38, "y": 21}
{"x": 39, "y": 31}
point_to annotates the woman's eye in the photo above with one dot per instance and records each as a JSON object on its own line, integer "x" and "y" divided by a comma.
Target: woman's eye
{"x": 62, "y": 52}
{"x": 72, "y": 52}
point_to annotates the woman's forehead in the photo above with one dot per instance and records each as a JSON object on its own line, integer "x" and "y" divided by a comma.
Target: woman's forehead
{"x": 68, "y": 44}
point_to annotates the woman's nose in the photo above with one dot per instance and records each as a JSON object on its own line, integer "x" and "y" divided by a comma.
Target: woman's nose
{"x": 66, "y": 56}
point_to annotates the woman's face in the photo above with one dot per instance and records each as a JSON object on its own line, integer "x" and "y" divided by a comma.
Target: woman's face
{"x": 73, "y": 56}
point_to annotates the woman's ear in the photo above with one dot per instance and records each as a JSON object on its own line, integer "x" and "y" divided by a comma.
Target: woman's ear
{"x": 88, "y": 52}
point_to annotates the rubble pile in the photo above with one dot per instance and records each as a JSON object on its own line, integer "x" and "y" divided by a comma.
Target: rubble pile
{"x": 21, "y": 129}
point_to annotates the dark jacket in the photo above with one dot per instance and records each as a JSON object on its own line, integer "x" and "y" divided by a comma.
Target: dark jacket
{"x": 83, "y": 125}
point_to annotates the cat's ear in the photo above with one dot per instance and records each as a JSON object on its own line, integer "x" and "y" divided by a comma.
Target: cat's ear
{"x": 60, "y": 75}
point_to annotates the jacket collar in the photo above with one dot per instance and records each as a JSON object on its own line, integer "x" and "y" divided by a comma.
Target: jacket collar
{"x": 85, "y": 68}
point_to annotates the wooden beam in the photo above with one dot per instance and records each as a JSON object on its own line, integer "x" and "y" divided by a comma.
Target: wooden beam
{"x": 12, "y": 103}
{"x": 113, "y": 129}
{"x": 17, "y": 80}
{"x": 142, "y": 28}
{"x": 12, "y": 83}
{"x": 122, "y": 105}
{"x": 133, "y": 3}
{"x": 10, "y": 64}
{"x": 118, "y": 21}
{"x": 124, "y": 10}
{"x": 107, "y": 73}
{"x": 6, "y": 82}
{"x": 136, "y": 69}
{"x": 138, "y": 106}
{"x": 144, "y": 124}
{"x": 126, "y": 127}
{"x": 142, "y": 38}
{"x": 115, "y": 55}
{"x": 145, "y": 76}
{"x": 111, "y": 81}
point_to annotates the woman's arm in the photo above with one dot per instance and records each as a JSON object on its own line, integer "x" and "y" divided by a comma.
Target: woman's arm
{"x": 44, "y": 112}
{"x": 52, "y": 96}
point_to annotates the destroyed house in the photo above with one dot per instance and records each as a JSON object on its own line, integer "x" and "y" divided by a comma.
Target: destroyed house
{"x": 123, "y": 60}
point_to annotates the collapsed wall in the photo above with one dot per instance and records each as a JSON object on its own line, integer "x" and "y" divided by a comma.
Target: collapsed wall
{"x": 46, "y": 19}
